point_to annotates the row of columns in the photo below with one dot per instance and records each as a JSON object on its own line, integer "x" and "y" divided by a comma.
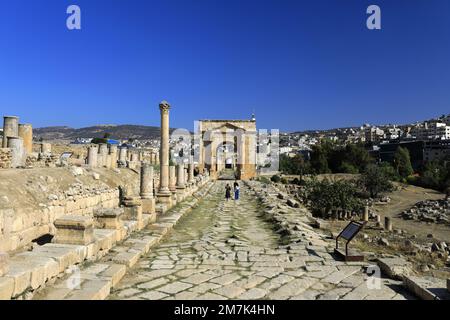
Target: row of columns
{"x": 19, "y": 138}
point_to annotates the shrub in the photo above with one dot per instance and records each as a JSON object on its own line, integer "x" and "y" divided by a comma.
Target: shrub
{"x": 275, "y": 178}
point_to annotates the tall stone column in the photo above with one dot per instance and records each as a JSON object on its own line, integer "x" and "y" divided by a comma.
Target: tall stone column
{"x": 17, "y": 152}
{"x": 26, "y": 133}
{"x": 164, "y": 194}
{"x": 92, "y": 160}
{"x": 10, "y": 129}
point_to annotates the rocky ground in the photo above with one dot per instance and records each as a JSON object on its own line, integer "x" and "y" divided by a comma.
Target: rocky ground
{"x": 255, "y": 248}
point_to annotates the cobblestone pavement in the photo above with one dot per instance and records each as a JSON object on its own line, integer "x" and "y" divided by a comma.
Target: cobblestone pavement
{"x": 225, "y": 250}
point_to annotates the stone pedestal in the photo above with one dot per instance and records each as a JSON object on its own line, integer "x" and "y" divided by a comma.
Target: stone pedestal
{"x": 92, "y": 160}
{"x": 109, "y": 218}
{"x": 73, "y": 229}
{"x": 10, "y": 129}
{"x": 26, "y": 133}
{"x": 3, "y": 263}
{"x": 133, "y": 210}
{"x": 18, "y": 157}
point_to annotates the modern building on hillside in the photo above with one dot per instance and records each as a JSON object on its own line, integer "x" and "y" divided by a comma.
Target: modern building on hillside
{"x": 431, "y": 131}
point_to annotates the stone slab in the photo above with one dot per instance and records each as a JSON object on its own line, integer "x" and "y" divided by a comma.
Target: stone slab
{"x": 395, "y": 268}
{"x": 427, "y": 288}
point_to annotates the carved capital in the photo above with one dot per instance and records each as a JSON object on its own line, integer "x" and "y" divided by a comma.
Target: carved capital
{"x": 164, "y": 106}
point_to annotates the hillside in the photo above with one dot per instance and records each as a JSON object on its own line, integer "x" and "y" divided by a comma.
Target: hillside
{"x": 117, "y": 132}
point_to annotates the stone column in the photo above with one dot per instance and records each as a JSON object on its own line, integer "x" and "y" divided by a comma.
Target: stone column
{"x": 17, "y": 152}
{"x": 102, "y": 153}
{"x": 146, "y": 193}
{"x": 387, "y": 224}
{"x": 10, "y": 129}
{"x": 172, "y": 179}
{"x": 113, "y": 154}
{"x": 146, "y": 181}
{"x": 191, "y": 170}
{"x": 92, "y": 160}
{"x": 123, "y": 156}
{"x": 180, "y": 182}
{"x": 173, "y": 184}
{"x": 164, "y": 194}
{"x": 366, "y": 214}
{"x": 26, "y": 133}
{"x": 46, "y": 148}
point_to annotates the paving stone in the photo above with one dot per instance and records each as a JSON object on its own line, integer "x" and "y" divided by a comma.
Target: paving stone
{"x": 175, "y": 287}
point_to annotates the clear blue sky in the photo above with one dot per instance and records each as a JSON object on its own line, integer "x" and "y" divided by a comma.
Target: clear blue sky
{"x": 298, "y": 64}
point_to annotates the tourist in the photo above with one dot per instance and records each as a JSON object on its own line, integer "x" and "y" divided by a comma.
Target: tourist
{"x": 236, "y": 190}
{"x": 227, "y": 192}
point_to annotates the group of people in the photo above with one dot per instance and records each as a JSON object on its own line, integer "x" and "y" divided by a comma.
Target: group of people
{"x": 228, "y": 191}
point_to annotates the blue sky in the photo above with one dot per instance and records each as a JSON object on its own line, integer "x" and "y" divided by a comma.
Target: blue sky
{"x": 299, "y": 64}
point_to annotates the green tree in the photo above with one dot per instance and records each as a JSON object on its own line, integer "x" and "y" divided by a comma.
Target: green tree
{"x": 319, "y": 161}
{"x": 375, "y": 181}
{"x": 402, "y": 162}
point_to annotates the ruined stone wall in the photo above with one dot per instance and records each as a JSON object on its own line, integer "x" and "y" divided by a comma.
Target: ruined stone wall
{"x": 5, "y": 158}
{"x": 31, "y": 200}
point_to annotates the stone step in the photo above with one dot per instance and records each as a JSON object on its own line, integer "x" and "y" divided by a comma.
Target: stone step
{"x": 95, "y": 281}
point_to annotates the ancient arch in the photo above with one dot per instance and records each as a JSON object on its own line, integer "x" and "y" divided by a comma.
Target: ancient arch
{"x": 240, "y": 138}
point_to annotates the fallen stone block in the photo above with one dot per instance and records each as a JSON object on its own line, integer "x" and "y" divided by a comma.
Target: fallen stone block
{"x": 74, "y": 229}
{"x": 427, "y": 288}
{"x": 395, "y": 268}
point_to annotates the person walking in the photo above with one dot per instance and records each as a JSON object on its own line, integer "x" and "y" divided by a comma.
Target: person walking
{"x": 236, "y": 190}
{"x": 227, "y": 192}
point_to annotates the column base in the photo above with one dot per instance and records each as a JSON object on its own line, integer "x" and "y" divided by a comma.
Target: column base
{"x": 148, "y": 206}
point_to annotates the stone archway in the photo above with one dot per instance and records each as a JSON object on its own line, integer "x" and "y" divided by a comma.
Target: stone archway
{"x": 215, "y": 134}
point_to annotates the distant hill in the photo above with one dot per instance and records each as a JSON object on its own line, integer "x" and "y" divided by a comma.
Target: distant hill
{"x": 125, "y": 131}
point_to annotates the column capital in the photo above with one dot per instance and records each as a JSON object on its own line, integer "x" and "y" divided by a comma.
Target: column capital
{"x": 164, "y": 106}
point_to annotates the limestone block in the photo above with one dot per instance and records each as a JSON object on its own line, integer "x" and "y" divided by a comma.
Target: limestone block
{"x": 148, "y": 206}
{"x": 6, "y": 288}
{"x": 134, "y": 213}
{"x": 107, "y": 218}
{"x": 41, "y": 268}
{"x": 72, "y": 229}
{"x": 64, "y": 254}
{"x": 395, "y": 268}
{"x": 3, "y": 263}
{"x": 427, "y": 288}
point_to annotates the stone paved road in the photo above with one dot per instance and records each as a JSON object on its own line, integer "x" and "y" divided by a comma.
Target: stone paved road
{"x": 225, "y": 250}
